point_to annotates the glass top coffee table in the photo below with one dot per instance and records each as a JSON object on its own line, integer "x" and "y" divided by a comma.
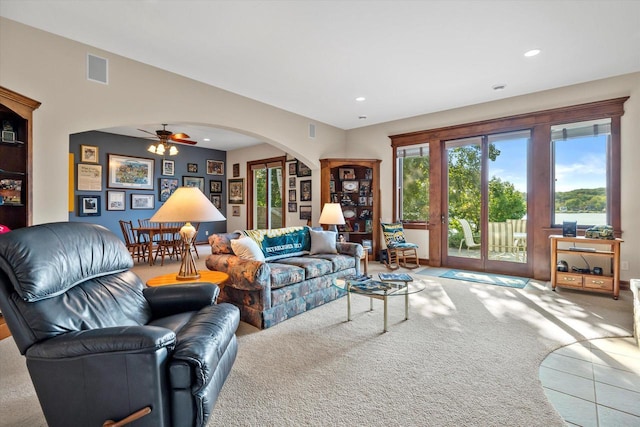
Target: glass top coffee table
{"x": 390, "y": 284}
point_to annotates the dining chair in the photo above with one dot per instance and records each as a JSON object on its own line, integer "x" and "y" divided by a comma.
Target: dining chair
{"x": 137, "y": 248}
{"x": 170, "y": 241}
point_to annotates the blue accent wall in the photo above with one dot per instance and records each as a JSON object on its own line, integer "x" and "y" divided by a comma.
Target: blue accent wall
{"x": 124, "y": 145}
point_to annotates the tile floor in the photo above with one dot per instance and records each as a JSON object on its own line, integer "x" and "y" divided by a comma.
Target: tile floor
{"x": 595, "y": 383}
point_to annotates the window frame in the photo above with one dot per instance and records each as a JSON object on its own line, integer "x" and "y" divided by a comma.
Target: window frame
{"x": 272, "y": 162}
{"x": 399, "y": 182}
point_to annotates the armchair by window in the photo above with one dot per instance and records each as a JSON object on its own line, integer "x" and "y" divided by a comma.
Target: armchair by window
{"x": 99, "y": 344}
{"x": 399, "y": 252}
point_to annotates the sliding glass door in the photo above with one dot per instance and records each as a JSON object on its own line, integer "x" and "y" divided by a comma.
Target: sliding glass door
{"x": 486, "y": 194}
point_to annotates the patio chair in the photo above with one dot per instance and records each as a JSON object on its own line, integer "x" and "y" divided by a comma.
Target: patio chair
{"x": 500, "y": 239}
{"x": 468, "y": 236}
{"x": 400, "y": 253}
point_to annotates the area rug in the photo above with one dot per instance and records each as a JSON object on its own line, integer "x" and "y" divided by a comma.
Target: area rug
{"x": 488, "y": 278}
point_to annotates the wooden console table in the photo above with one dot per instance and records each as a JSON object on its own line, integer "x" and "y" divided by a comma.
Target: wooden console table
{"x": 608, "y": 282}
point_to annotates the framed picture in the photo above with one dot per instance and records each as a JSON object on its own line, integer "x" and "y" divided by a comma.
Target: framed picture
{"x": 332, "y": 186}
{"x": 89, "y": 177}
{"x": 365, "y": 188}
{"x": 305, "y": 191}
{"x": 168, "y": 167}
{"x": 236, "y": 170}
{"x": 216, "y": 200}
{"x": 193, "y": 181}
{"x": 11, "y": 191}
{"x": 292, "y": 182}
{"x": 292, "y": 195}
{"x": 292, "y": 168}
{"x": 305, "y": 212}
{"x": 346, "y": 173}
{"x": 192, "y": 167}
{"x": 167, "y": 187}
{"x": 88, "y": 205}
{"x": 236, "y": 191}
{"x": 88, "y": 153}
{"x": 293, "y": 206}
{"x": 215, "y": 186}
{"x": 129, "y": 172}
{"x": 302, "y": 169}
{"x": 116, "y": 200}
{"x": 142, "y": 201}
{"x": 350, "y": 186}
{"x": 235, "y": 211}
{"x": 215, "y": 167}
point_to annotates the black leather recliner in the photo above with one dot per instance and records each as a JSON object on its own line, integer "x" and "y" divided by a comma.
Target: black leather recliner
{"x": 99, "y": 344}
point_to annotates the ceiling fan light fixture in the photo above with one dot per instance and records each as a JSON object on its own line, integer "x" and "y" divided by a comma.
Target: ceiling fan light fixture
{"x": 152, "y": 149}
{"x": 160, "y": 149}
{"x": 173, "y": 150}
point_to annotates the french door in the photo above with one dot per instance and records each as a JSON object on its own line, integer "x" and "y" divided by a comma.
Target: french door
{"x": 485, "y": 202}
{"x": 266, "y": 207}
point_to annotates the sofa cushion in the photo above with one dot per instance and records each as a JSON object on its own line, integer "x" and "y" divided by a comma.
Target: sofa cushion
{"x": 313, "y": 267}
{"x": 323, "y": 242}
{"x": 283, "y": 274}
{"x": 339, "y": 262}
{"x": 247, "y": 248}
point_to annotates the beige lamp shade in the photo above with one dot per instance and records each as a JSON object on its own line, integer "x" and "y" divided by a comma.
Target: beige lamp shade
{"x": 187, "y": 204}
{"x": 331, "y": 214}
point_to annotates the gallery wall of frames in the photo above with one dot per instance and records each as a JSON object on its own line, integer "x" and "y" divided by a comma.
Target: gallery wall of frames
{"x": 114, "y": 177}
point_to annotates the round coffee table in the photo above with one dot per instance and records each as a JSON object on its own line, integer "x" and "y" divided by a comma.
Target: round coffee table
{"x": 206, "y": 276}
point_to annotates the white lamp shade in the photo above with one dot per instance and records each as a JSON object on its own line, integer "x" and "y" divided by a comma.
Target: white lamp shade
{"x": 331, "y": 214}
{"x": 187, "y": 204}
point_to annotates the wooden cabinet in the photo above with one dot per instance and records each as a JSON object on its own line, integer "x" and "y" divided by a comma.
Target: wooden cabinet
{"x": 355, "y": 184}
{"x": 16, "y": 112}
{"x": 586, "y": 255}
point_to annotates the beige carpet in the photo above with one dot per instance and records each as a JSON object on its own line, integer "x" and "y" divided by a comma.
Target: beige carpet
{"x": 469, "y": 355}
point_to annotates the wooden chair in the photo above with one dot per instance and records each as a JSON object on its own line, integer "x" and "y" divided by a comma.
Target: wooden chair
{"x": 468, "y": 236}
{"x": 400, "y": 253}
{"x": 170, "y": 242}
{"x": 137, "y": 248}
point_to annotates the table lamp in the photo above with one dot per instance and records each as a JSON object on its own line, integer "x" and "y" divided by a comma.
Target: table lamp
{"x": 332, "y": 215}
{"x": 188, "y": 204}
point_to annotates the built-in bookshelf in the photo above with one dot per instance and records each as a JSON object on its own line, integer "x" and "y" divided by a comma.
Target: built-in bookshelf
{"x": 354, "y": 183}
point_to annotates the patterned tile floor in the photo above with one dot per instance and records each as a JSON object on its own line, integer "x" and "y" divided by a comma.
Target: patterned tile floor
{"x": 595, "y": 383}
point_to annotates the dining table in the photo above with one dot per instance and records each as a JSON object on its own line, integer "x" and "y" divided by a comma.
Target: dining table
{"x": 148, "y": 232}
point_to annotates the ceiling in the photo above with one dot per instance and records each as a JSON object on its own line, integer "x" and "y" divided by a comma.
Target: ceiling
{"x": 314, "y": 58}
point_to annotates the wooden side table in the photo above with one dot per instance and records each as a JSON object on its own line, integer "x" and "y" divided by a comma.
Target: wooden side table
{"x": 206, "y": 276}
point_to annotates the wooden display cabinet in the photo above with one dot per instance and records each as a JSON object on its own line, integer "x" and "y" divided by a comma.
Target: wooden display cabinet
{"x": 355, "y": 184}
{"x": 607, "y": 282}
{"x": 16, "y": 144}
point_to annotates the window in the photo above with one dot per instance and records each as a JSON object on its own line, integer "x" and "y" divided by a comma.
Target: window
{"x": 580, "y": 164}
{"x": 413, "y": 183}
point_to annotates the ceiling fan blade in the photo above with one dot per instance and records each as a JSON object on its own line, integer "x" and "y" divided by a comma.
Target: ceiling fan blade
{"x": 146, "y": 131}
{"x": 184, "y": 141}
{"x": 180, "y": 136}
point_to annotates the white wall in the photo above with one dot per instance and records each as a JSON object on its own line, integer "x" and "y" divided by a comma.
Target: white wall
{"x": 52, "y": 70}
{"x": 374, "y": 142}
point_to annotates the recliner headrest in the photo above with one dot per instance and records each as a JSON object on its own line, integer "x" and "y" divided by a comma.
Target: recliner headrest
{"x": 46, "y": 260}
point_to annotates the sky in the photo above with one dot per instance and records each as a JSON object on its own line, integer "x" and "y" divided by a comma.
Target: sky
{"x": 580, "y": 163}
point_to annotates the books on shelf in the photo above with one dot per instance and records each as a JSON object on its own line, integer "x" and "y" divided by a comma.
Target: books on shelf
{"x": 398, "y": 277}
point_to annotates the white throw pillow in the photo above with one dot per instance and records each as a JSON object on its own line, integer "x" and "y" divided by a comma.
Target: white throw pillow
{"x": 323, "y": 242}
{"x": 247, "y": 248}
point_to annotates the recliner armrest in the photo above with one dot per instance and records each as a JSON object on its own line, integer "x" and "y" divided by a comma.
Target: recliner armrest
{"x": 167, "y": 300}
{"x": 134, "y": 339}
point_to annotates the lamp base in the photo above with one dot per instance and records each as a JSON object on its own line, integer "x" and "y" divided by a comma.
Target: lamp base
{"x": 188, "y": 269}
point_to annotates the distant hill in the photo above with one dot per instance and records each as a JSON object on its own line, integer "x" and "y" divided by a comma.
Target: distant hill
{"x": 582, "y": 200}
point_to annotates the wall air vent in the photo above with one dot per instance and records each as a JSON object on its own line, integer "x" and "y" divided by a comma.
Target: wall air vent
{"x": 312, "y": 130}
{"x": 97, "y": 69}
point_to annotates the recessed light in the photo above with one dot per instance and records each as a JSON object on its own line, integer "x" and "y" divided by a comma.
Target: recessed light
{"x": 360, "y": 98}
{"x": 499, "y": 87}
{"x": 532, "y": 52}
{"x": 362, "y": 117}
{"x": 206, "y": 139}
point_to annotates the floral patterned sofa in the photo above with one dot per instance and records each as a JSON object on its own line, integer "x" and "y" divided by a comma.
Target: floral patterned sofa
{"x": 291, "y": 271}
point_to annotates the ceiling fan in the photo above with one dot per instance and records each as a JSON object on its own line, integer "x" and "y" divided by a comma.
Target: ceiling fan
{"x": 166, "y": 137}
